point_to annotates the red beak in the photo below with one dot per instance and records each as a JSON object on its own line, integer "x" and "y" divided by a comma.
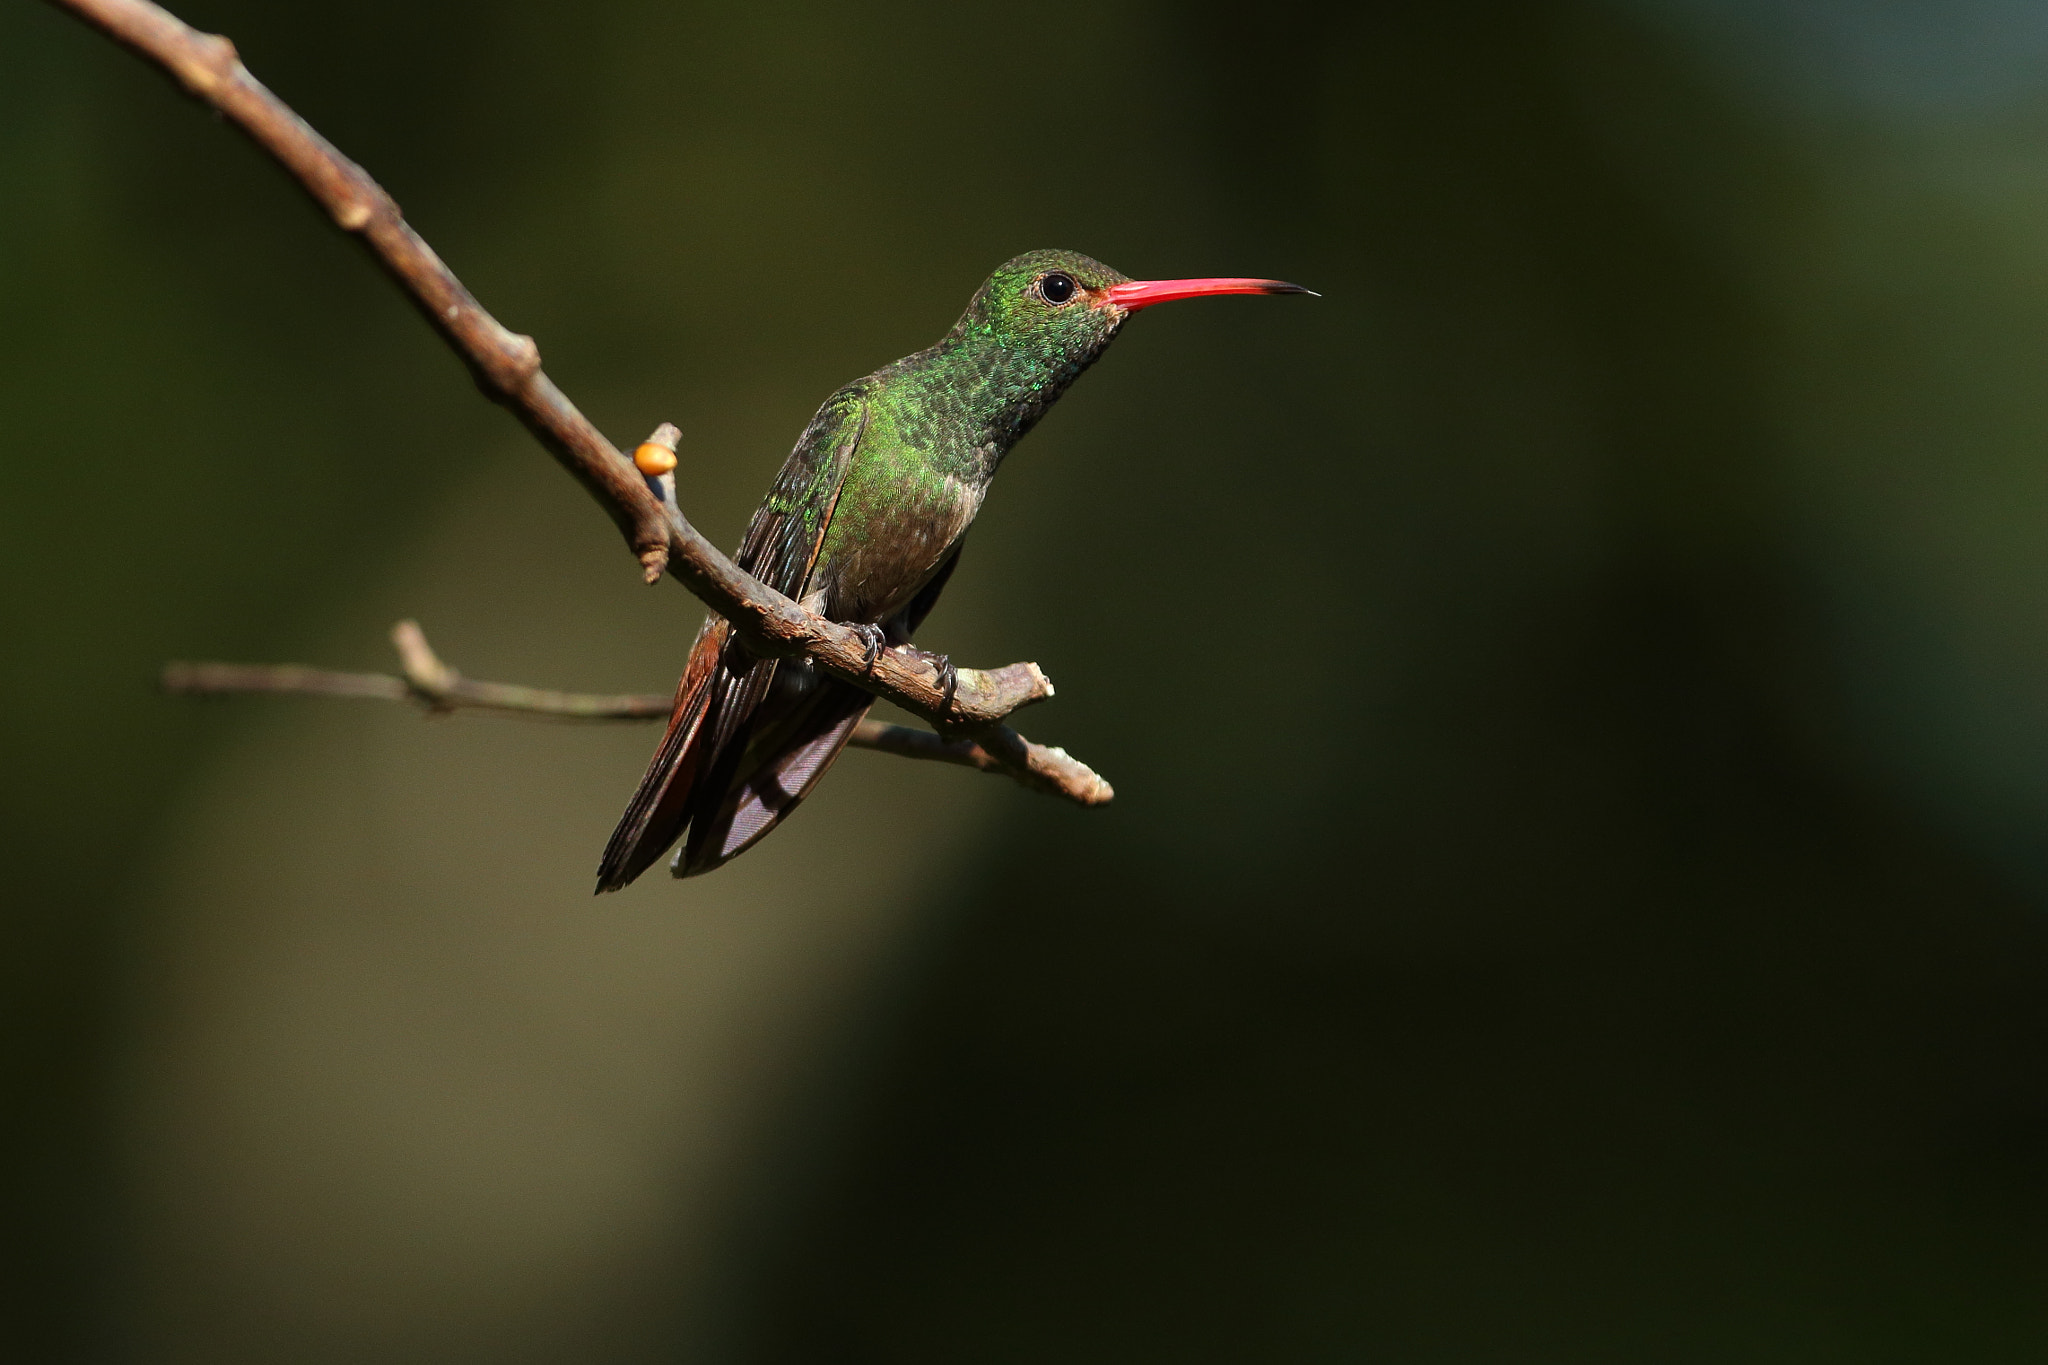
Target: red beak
{"x": 1138, "y": 294}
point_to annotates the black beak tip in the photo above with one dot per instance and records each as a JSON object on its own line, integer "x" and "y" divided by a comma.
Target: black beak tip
{"x": 1283, "y": 287}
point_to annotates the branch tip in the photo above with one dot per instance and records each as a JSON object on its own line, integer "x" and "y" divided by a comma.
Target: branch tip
{"x": 430, "y": 679}
{"x": 656, "y": 457}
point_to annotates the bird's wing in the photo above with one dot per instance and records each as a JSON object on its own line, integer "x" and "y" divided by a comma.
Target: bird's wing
{"x": 722, "y": 684}
{"x": 782, "y": 544}
{"x": 790, "y": 747}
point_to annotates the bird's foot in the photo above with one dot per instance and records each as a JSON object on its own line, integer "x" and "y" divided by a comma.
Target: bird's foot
{"x": 876, "y": 641}
{"x": 949, "y": 683}
{"x": 949, "y": 679}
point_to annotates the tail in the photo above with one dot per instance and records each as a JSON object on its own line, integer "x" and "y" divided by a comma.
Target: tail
{"x": 787, "y": 748}
{"x": 655, "y": 817}
{"x": 742, "y": 748}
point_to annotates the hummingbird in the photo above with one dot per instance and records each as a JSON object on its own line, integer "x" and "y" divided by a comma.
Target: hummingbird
{"x": 864, "y": 526}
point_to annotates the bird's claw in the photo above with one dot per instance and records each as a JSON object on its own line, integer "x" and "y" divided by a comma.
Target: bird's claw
{"x": 949, "y": 681}
{"x": 876, "y": 642}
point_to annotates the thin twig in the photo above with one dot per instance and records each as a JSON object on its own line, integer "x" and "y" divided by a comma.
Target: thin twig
{"x": 507, "y": 368}
{"x": 438, "y": 688}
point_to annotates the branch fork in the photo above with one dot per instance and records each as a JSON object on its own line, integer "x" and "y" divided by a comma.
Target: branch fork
{"x": 507, "y": 368}
{"x": 439, "y": 689}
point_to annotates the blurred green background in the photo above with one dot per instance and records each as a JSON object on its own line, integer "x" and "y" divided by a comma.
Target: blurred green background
{"x": 1577, "y": 696}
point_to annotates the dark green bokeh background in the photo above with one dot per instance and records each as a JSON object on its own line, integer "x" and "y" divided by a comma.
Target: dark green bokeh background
{"x": 1575, "y": 694}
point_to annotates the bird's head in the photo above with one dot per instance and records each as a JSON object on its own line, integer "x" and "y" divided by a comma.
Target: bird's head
{"x": 1065, "y": 307}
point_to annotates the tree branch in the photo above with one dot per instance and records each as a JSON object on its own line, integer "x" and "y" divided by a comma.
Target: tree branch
{"x": 441, "y": 690}
{"x": 507, "y": 368}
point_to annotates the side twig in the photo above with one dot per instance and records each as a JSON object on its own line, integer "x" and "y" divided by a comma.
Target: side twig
{"x": 439, "y": 689}
{"x": 507, "y": 368}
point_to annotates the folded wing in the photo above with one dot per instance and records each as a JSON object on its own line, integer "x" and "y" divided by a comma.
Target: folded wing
{"x": 715, "y": 731}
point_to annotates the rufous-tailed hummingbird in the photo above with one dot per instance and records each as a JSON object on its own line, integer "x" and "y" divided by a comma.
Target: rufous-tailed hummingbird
{"x": 863, "y": 526}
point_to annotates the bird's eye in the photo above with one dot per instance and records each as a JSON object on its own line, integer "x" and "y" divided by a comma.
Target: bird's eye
{"x": 1057, "y": 287}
